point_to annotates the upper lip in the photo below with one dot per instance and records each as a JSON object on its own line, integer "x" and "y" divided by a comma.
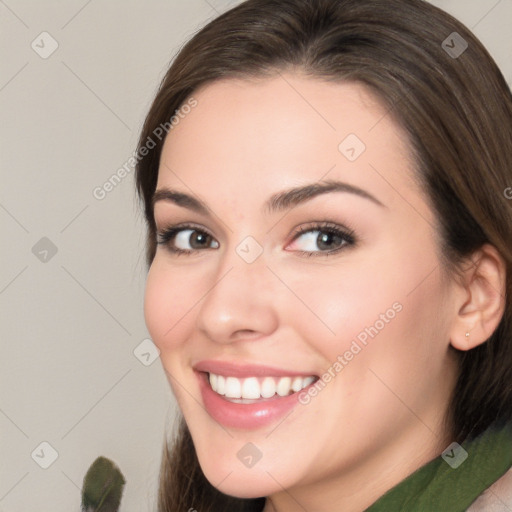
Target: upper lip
{"x": 246, "y": 370}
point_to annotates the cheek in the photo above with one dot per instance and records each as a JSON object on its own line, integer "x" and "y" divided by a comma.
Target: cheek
{"x": 169, "y": 300}
{"x": 396, "y": 299}
{"x": 332, "y": 306}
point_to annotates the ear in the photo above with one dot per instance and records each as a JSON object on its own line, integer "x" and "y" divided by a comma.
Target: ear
{"x": 481, "y": 299}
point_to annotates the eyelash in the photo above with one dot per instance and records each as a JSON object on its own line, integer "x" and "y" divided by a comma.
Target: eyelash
{"x": 345, "y": 233}
{"x": 165, "y": 236}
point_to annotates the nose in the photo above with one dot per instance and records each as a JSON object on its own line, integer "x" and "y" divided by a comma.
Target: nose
{"x": 240, "y": 303}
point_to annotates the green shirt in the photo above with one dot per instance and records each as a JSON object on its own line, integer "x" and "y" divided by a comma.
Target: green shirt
{"x": 452, "y": 481}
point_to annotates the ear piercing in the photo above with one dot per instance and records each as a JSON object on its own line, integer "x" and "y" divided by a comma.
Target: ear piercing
{"x": 467, "y": 335}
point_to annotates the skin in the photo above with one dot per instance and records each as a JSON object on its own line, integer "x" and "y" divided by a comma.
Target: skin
{"x": 382, "y": 416}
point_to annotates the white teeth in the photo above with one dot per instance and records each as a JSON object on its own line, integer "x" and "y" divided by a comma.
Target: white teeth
{"x": 233, "y": 387}
{"x": 297, "y": 384}
{"x": 283, "y": 386}
{"x": 251, "y": 388}
{"x": 268, "y": 387}
{"x": 221, "y": 385}
{"x": 308, "y": 381}
{"x": 254, "y": 387}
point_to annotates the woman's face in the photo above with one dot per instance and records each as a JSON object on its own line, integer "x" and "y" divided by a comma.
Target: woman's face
{"x": 310, "y": 252}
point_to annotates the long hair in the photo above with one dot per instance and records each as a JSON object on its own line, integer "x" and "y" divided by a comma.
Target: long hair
{"x": 441, "y": 86}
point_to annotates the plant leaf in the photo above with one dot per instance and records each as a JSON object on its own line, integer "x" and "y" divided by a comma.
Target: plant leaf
{"x": 103, "y": 487}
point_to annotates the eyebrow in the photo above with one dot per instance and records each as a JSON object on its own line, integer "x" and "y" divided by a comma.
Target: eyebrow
{"x": 180, "y": 199}
{"x": 280, "y": 201}
{"x": 295, "y": 196}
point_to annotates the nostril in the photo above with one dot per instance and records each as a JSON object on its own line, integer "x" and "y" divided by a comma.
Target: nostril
{"x": 245, "y": 334}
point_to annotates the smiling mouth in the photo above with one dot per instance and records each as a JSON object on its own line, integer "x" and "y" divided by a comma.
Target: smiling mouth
{"x": 256, "y": 389}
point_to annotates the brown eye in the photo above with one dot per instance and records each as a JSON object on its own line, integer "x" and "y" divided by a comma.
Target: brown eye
{"x": 328, "y": 241}
{"x": 320, "y": 240}
{"x": 185, "y": 239}
{"x": 192, "y": 239}
{"x": 198, "y": 240}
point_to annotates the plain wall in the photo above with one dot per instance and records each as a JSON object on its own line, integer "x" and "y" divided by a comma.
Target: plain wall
{"x": 73, "y": 270}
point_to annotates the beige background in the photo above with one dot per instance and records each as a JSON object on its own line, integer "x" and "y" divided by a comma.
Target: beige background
{"x": 71, "y": 323}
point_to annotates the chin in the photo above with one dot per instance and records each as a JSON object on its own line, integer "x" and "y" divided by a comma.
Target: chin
{"x": 244, "y": 484}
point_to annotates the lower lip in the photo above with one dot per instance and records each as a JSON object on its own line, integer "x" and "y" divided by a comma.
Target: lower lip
{"x": 245, "y": 416}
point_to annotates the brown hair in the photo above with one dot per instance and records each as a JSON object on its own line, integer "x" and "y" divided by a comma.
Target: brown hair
{"x": 457, "y": 112}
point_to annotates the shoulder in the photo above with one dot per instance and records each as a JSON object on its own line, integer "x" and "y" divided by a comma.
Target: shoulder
{"x": 496, "y": 498}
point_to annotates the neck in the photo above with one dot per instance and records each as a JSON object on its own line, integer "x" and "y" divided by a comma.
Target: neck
{"x": 357, "y": 488}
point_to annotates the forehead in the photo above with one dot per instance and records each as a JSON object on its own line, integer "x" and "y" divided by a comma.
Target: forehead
{"x": 250, "y": 137}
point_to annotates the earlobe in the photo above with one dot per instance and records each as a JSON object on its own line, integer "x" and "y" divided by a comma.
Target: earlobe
{"x": 483, "y": 303}
{"x": 463, "y": 341}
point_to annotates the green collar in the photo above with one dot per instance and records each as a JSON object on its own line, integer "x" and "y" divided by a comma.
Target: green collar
{"x": 450, "y": 483}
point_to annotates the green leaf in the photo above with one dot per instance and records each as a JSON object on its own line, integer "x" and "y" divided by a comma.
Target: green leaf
{"x": 103, "y": 487}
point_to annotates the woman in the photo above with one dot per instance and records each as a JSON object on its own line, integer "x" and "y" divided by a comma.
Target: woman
{"x": 330, "y": 249}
